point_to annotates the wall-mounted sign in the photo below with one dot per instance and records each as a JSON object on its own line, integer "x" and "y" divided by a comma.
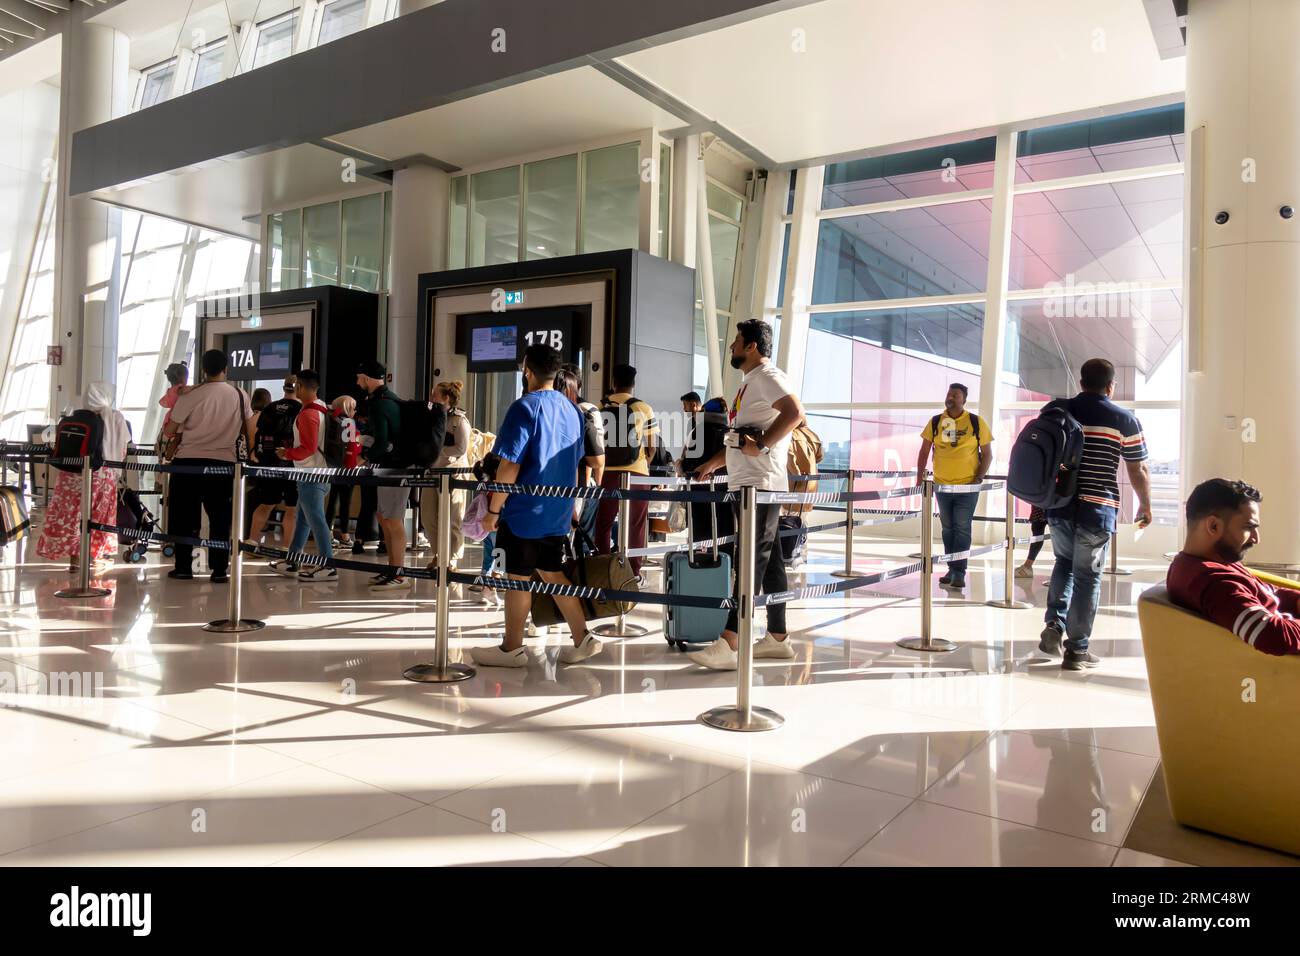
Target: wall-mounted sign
{"x": 515, "y": 298}
{"x": 493, "y": 342}
{"x": 54, "y": 355}
{"x": 251, "y": 356}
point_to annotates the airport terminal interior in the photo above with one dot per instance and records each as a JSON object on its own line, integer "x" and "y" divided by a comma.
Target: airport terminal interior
{"x": 983, "y": 192}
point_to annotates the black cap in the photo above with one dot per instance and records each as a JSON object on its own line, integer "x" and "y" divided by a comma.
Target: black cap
{"x": 373, "y": 370}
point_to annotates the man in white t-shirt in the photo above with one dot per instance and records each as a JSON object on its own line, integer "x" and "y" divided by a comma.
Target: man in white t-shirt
{"x": 761, "y": 417}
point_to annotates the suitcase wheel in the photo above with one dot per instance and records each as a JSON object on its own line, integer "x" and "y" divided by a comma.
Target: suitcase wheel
{"x": 169, "y": 550}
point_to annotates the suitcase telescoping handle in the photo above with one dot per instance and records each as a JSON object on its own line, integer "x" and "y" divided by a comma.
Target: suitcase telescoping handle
{"x": 690, "y": 525}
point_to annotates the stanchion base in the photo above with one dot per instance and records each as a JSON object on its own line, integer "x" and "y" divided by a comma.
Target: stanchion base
{"x": 732, "y": 717}
{"x": 937, "y": 644}
{"x": 1119, "y": 572}
{"x": 1009, "y": 605}
{"x": 82, "y": 592}
{"x": 432, "y": 674}
{"x": 613, "y": 630}
{"x": 846, "y": 574}
{"x": 916, "y": 554}
{"x": 234, "y": 627}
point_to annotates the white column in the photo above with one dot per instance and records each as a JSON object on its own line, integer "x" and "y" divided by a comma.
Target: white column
{"x": 419, "y": 238}
{"x": 88, "y": 234}
{"x": 1242, "y": 344}
{"x": 995, "y": 305}
{"x": 686, "y": 169}
{"x": 769, "y": 232}
{"x": 799, "y": 273}
{"x": 708, "y": 294}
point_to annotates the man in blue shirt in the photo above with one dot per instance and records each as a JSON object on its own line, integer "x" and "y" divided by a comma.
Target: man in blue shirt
{"x": 1081, "y": 530}
{"x": 540, "y": 443}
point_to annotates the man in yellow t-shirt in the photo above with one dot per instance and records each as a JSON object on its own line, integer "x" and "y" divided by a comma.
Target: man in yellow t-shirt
{"x": 962, "y": 456}
{"x": 631, "y": 437}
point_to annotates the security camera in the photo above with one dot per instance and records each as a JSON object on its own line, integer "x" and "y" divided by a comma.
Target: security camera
{"x": 1286, "y": 212}
{"x": 1221, "y": 217}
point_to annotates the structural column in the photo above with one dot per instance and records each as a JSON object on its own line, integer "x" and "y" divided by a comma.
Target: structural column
{"x": 1242, "y": 342}
{"x": 88, "y": 234}
{"x": 419, "y": 238}
{"x": 799, "y": 268}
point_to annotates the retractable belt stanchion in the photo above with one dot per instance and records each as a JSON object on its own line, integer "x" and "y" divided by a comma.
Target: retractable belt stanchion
{"x": 234, "y": 623}
{"x": 925, "y": 642}
{"x": 621, "y": 628}
{"x": 743, "y": 715}
{"x": 1114, "y": 568}
{"x": 440, "y": 671}
{"x": 848, "y": 571}
{"x": 83, "y": 588}
{"x": 1009, "y": 598}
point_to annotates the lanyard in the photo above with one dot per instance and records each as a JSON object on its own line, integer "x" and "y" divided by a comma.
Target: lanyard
{"x": 735, "y": 405}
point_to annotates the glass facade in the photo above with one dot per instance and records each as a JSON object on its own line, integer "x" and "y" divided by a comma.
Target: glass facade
{"x": 207, "y": 69}
{"x": 320, "y": 244}
{"x": 551, "y": 208}
{"x": 363, "y": 242}
{"x": 494, "y": 217}
{"x": 665, "y": 199}
{"x": 338, "y": 18}
{"x": 611, "y": 198}
{"x": 275, "y": 39}
{"x": 334, "y": 243}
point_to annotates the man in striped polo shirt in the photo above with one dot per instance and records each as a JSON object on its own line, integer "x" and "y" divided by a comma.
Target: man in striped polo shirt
{"x": 1081, "y": 530}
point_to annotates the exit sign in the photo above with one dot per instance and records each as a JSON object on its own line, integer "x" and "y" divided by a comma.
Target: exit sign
{"x": 515, "y": 298}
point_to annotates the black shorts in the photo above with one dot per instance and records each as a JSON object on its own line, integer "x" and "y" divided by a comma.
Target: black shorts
{"x": 274, "y": 491}
{"x": 523, "y": 556}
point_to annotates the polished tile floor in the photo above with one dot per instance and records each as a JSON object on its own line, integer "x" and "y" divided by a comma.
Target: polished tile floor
{"x": 130, "y": 736}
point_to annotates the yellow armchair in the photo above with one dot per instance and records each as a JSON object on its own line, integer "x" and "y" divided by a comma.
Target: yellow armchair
{"x": 1228, "y": 720}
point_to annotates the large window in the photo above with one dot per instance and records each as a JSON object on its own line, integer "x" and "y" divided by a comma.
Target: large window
{"x": 275, "y": 39}
{"x": 494, "y": 217}
{"x": 334, "y": 243}
{"x": 338, "y": 18}
{"x": 726, "y": 212}
{"x": 611, "y": 198}
{"x": 208, "y": 65}
{"x": 551, "y": 208}
{"x": 156, "y": 84}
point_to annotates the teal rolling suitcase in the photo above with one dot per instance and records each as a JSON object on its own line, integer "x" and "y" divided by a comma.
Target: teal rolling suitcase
{"x": 698, "y": 575}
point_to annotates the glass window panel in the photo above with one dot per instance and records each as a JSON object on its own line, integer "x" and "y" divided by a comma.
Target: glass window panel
{"x": 899, "y": 355}
{"x": 363, "y": 242}
{"x": 340, "y": 18}
{"x": 494, "y": 217}
{"x": 320, "y": 242}
{"x": 1129, "y": 141}
{"x": 456, "y": 231}
{"x": 285, "y": 260}
{"x": 785, "y": 264}
{"x": 1162, "y": 428}
{"x": 275, "y": 40}
{"x": 724, "y": 202}
{"x": 665, "y": 198}
{"x": 551, "y": 207}
{"x": 939, "y": 250}
{"x": 724, "y": 238}
{"x": 954, "y": 168}
{"x": 1048, "y": 340}
{"x": 789, "y": 198}
{"x": 158, "y": 85}
{"x": 388, "y": 239}
{"x": 611, "y": 198}
{"x": 208, "y": 68}
{"x": 1109, "y": 232}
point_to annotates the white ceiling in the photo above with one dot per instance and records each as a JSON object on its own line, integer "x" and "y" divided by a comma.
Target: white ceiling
{"x": 554, "y": 112}
{"x": 878, "y": 72}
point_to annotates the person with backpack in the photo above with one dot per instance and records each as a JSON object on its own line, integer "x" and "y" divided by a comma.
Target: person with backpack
{"x": 706, "y": 437}
{"x": 211, "y": 423}
{"x": 100, "y": 431}
{"x": 274, "y": 431}
{"x": 1081, "y": 527}
{"x": 962, "y": 456}
{"x": 314, "y": 430}
{"x": 568, "y": 382}
{"x": 804, "y": 457}
{"x": 380, "y": 448}
{"x": 631, "y": 439}
{"x": 455, "y": 454}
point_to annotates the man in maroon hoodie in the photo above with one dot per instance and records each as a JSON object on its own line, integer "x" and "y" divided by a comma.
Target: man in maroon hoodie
{"x": 1207, "y": 576}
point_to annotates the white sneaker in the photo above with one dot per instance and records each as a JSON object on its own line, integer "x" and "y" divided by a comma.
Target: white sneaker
{"x": 1025, "y": 571}
{"x": 717, "y": 657}
{"x": 392, "y": 584}
{"x": 318, "y": 575}
{"x": 589, "y": 647}
{"x": 496, "y": 657}
{"x": 421, "y": 542}
{"x": 770, "y": 647}
{"x": 532, "y": 630}
{"x": 285, "y": 568}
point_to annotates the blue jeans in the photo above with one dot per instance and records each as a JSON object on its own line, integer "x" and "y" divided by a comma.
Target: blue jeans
{"x": 489, "y": 545}
{"x": 1076, "y": 580}
{"x": 311, "y": 517}
{"x": 955, "y": 513}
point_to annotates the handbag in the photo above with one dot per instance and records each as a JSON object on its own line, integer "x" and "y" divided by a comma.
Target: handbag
{"x": 605, "y": 571}
{"x": 241, "y": 437}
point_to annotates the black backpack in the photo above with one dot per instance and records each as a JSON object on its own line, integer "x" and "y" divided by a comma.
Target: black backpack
{"x": 622, "y": 440}
{"x": 77, "y": 435}
{"x": 332, "y": 446}
{"x": 1044, "y": 465}
{"x": 275, "y": 430}
{"x": 974, "y": 427}
{"x": 421, "y": 435}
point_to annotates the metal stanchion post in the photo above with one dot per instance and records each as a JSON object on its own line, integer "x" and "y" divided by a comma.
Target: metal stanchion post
{"x": 234, "y": 623}
{"x": 1114, "y": 568}
{"x": 83, "y": 588}
{"x": 440, "y": 671}
{"x": 621, "y": 628}
{"x": 848, "y": 571}
{"x": 925, "y": 642}
{"x": 1009, "y": 598}
{"x": 743, "y": 715}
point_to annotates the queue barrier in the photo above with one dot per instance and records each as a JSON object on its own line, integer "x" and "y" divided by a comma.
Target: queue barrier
{"x": 743, "y": 715}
